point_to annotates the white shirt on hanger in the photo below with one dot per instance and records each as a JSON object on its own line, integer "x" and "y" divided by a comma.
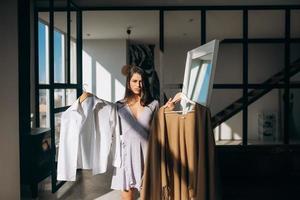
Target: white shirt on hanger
{"x": 88, "y": 131}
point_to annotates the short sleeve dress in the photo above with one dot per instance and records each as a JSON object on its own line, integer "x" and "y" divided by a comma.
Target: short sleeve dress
{"x": 134, "y": 145}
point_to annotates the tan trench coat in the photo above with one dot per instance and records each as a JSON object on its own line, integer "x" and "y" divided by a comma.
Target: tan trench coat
{"x": 180, "y": 164}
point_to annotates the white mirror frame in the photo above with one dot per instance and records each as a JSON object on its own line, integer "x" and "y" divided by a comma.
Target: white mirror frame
{"x": 206, "y": 49}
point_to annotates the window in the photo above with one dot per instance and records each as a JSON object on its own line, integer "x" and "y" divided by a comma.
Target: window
{"x": 59, "y": 57}
{"x": 43, "y": 42}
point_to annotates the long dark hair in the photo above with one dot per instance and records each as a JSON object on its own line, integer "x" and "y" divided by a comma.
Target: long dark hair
{"x": 146, "y": 97}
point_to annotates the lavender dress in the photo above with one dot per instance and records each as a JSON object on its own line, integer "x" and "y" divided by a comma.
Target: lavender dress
{"x": 134, "y": 144}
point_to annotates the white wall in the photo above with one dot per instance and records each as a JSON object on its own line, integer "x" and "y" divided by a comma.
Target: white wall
{"x": 269, "y": 103}
{"x": 102, "y": 64}
{"x": 174, "y": 61}
{"x": 9, "y": 134}
{"x": 181, "y": 34}
{"x": 224, "y": 24}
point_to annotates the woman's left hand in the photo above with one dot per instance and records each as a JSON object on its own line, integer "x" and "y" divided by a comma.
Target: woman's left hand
{"x": 171, "y": 102}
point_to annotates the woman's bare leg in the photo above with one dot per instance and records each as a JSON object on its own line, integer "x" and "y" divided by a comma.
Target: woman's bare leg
{"x": 127, "y": 194}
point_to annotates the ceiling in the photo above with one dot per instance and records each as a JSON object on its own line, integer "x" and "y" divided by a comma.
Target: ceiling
{"x": 178, "y": 25}
{"x": 93, "y": 3}
{"x": 144, "y": 25}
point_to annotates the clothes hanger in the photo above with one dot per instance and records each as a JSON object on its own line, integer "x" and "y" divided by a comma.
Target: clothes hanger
{"x": 184, "y": 101}
{"x": 84, "y": 94}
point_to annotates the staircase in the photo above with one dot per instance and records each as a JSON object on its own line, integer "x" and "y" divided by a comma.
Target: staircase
{"x": 253, "y": 95}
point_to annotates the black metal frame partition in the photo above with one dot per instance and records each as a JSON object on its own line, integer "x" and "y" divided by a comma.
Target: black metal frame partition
{"x": 52, "y": 86}
{"x": 245, "y": 86}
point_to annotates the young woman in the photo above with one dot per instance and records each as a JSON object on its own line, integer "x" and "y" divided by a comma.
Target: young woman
{"x": 136, "y": 112}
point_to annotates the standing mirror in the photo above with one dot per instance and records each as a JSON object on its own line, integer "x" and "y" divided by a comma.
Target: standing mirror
{"x": 199, "y": 74}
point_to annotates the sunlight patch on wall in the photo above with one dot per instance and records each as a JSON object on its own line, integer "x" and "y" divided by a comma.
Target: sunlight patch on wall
{"x": 87, "y": 71}
{"x": 225, "y": 132}
{"x": 103, "y": 83}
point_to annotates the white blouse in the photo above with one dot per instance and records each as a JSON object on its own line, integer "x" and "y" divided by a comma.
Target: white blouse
{"x": 89, "y": 132}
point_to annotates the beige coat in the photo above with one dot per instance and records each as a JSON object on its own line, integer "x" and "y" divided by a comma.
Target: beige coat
{"x": 180, "y": 163}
